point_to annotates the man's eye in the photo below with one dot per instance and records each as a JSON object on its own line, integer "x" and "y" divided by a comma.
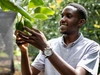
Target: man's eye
{"x": 69, "y": 16}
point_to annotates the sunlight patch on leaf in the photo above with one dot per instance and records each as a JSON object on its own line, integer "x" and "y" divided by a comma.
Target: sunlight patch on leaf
{"x": 96, "y": 26}
{"x": 40, "y": 16}
{"x": 35, "y": 3}
{"x": 44, "y": 10}
{"x": 47, "y": 11}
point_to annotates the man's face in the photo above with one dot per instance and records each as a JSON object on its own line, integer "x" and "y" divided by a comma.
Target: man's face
{"x": 69, "y": 21}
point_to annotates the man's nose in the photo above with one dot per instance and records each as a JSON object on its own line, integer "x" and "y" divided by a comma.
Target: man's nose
{"x": 63, "y": 19}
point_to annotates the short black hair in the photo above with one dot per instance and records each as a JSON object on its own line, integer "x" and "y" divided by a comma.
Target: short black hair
{"x": 81, "y": 10}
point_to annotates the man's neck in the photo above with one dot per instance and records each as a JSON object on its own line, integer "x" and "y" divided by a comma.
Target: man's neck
{"x": 70, "y": 38}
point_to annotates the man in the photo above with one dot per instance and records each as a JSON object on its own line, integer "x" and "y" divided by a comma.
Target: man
{"x": 70, "y": 54}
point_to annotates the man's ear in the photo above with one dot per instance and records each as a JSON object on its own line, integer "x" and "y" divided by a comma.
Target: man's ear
{"x": 81, "y": 22}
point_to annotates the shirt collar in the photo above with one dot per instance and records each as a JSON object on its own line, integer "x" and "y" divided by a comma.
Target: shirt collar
{"x": 73, "y": 43}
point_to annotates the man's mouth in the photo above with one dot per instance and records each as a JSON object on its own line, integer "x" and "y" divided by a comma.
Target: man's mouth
{"x": 63, "y": 26}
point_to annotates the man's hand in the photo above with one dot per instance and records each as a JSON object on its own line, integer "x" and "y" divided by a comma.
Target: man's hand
{"x": 34, "y": 37}
{"x": 21, "y": 43}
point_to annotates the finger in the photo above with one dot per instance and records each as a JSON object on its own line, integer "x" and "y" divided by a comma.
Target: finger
{"x": 20, "y": 42}
{"x": 30, "y": 30}
{"x": 26, "y": 40}
{"x": 25, "y": 37}
{"x": 36, "y": 30}
{"x": 23, "y": 34}
{"x": 16, "y": 33}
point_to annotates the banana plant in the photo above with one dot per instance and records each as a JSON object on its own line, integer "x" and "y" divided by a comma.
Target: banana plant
{"x": 30, "y": 10}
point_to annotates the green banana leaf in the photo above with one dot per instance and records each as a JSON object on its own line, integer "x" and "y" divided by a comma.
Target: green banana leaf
{"x": 11, "y": 6}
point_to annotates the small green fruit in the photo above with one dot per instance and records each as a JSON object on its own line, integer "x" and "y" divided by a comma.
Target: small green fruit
{"x": 19, "y": 26}
{"x": 27, "y": 23}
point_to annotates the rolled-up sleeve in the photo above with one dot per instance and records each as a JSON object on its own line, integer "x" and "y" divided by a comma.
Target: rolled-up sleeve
{"x": 90, "y": 60}
{"x": 39, "y": 62}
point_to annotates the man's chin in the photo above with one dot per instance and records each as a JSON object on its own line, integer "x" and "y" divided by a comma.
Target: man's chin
{"x": 63, "y": 32}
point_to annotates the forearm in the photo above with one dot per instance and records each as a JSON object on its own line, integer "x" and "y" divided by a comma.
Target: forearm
{"x": 25, "y": 65}
{"x": 61, "y": 65}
